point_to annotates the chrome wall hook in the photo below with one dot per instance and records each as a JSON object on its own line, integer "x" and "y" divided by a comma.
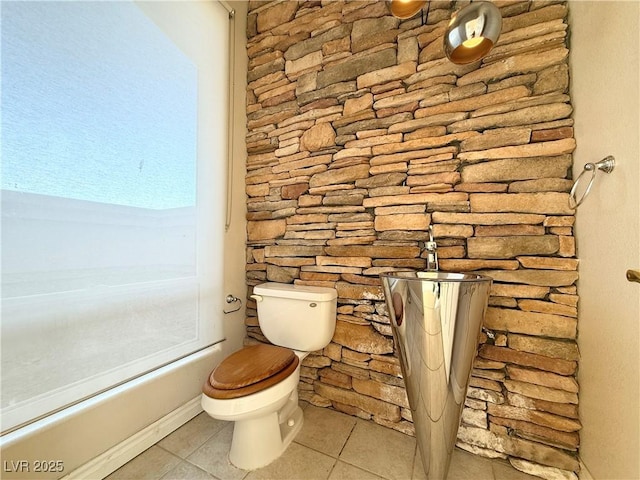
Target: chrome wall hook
{"x": 605, "y": 165}
{"x": 232, "y": 299}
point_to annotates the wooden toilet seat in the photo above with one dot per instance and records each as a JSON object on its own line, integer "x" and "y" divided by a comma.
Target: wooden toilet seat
{"x": 250, "y": 370}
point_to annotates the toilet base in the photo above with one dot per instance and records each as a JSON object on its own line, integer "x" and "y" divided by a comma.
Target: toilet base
{"x": 259, "y": 441}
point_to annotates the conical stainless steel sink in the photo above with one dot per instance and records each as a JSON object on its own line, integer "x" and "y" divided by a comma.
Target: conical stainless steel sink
{"x": 436, "y": 319}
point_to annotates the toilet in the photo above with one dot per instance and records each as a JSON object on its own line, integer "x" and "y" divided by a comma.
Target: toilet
{"x": 257, "y": 386}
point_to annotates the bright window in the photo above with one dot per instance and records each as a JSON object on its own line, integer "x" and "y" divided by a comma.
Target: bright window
{"x": 114, "y": 143}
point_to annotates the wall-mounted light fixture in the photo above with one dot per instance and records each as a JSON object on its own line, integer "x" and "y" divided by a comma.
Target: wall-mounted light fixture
{"x": 472, "y": 32}
{"x": 404, "y": 9}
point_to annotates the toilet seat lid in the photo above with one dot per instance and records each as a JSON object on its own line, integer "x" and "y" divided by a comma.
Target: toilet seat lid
{"x": 251, "y": 365}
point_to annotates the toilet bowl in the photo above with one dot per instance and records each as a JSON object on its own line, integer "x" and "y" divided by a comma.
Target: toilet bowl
{"x": 257, "y": 386}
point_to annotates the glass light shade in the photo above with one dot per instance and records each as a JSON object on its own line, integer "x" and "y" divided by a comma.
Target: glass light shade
{"x": 472, "y": 32}
{"x": 404, "y": 9}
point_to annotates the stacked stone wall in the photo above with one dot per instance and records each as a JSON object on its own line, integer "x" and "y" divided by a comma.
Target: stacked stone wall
{"x": 361, "y": 134}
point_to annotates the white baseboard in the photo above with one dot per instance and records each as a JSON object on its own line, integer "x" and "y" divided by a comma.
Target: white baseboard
{"x": 584, "y": 472}
{"x": 115, "y": 457}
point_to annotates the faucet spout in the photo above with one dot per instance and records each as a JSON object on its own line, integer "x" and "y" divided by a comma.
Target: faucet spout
{"x": 432, "y": 252}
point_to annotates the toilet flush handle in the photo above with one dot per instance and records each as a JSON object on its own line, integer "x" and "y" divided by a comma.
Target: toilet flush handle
{"x": 257, "y": 298}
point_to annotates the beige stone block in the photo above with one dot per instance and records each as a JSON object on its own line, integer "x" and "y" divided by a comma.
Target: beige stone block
{"x": 400, "y": 167}
{"x": 502, "y": 302}
{"x": 368, "y": 404}
{"x": 318, "y": 137}
{"x": 539, "y": 186}
{"x": 421, "y": 143}
{"x": 469, "y": 265}
{"x": 356, "y": 65}
{"x": 475, "y": 418}
{"x": 451, "y": 178}
{"x": 530, "y": 323}
{"x": 548, "y": 307}
{"x": 374, "y": 251}
{"x": 552, "y": 203}
{"x": 508, "y": 230}
{"x": 381, "y": 391}
{"x": 416, "y": 157}
{"x": 510, "y": 169}
{"x": 487, "y": 218}
{"x": 360, "y": 292}
{"x": 388, "y": 191}
{"x": 542, "y": 149}
{"x": 476, "y": 102}
{"x": 502, "y": 354}
{"x": 537, "y": 470}
{"x": 565, "y": 299}
{"x": 518, "y": 291}
{"x": 566, "y": 350}
{"x": 290, "y": 261}
{"x": 257, "y": 190}
{"x": 361, "y": 338}
{"x": 437, "y": 68}
{"x": 567, "y": 410}
{"x": 542, "y": 14}
{"x": 385, "y": 367}
{"x": 556, "y": 422}
{"x": 310, "y": 235}
{"x": 553, "y": 79}
{"x": 510, "y": 247}
{"x": 428, "y": 198}
{"x": 547, "y": 41}
{"x": 352, "y": 152}
{"x": 407, "y": 50}
{"x": 567, "y": 246}
{"x": 542, "y": 393}
{"x": 281, "y": 274}
{"x": 312, "y": 61}
{"x": 292, "y": 251}
{"x": 276, "y": 15}
{"x": 408, "y": 221}
{"x": 547, "y": 278}
{"x": 397, "y": 72}
{"x": 340, "y": 175}
{"x": 371, "y": 141}
{"x": 485, "y": 395}
{"x": 544, "y": 379}
{"x": 550, "y": 100}
{"x": 529, "y": 62}
{"x": 475, "y": 404}
{"x": 485, "y": 384}
{"x": 498, "y": 137}
{"x": 538, "y": 433}
{"x": 288, "y": 150}
{"x": 452, "y": 231}
{"x": 317, "y": 276}
{"x": 358, "y": 104}
{"x": 344, "y": 261}
{"x": 524, "y": 116}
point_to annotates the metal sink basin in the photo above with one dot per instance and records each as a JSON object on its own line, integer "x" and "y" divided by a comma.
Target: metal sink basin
{"x": 436, "y": 318}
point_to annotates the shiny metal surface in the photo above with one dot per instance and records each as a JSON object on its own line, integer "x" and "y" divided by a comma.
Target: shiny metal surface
{"x": 633, "y": 276}
{"x": 472, "y": 32}
{"x": 436, "y": 319}
{"x": 404, "y": 9}
{"x": 605, "y": 165}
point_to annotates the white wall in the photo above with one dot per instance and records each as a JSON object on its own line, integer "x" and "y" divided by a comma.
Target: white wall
{"x": 94, "y": 429}
{"x": 605, "y": 94}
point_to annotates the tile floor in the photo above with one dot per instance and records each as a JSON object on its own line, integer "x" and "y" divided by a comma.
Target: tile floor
{"x": 330, "y": 446}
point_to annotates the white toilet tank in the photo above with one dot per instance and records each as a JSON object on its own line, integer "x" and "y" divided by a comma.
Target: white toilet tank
{"x": 298, "y": 317}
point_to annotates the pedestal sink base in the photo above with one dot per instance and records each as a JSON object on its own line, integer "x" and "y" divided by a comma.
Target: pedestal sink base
{"x": 436, "y": 319}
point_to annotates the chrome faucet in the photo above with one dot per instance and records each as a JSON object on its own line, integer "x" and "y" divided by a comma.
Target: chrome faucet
{"x": 432, "y": 252}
